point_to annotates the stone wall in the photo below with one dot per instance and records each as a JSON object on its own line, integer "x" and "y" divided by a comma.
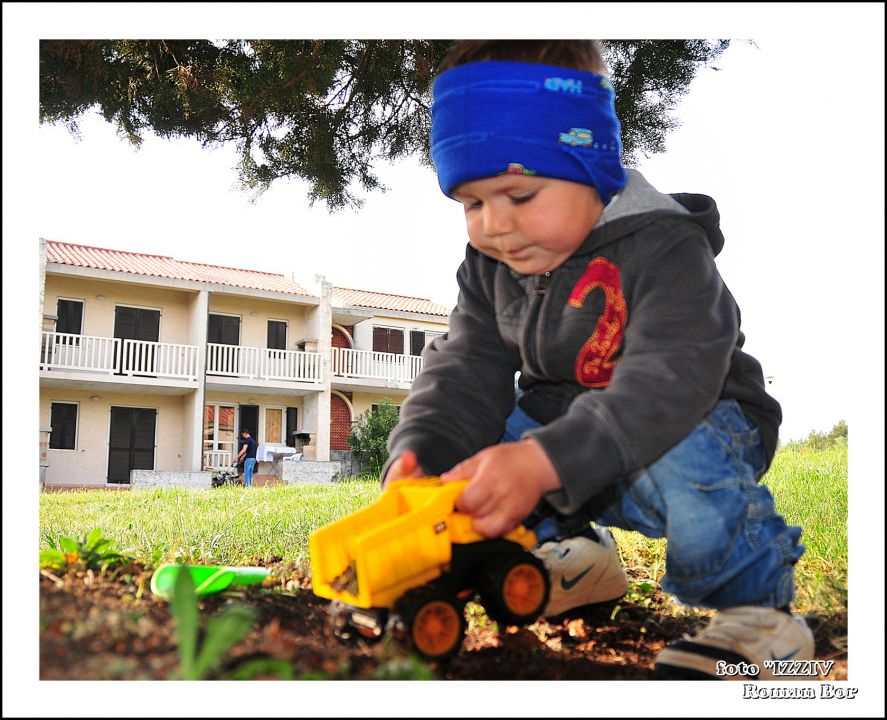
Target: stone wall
{"x": 310, "y": 472}
{"x": 351, "y": 464}
{"x": 170, "y": 479}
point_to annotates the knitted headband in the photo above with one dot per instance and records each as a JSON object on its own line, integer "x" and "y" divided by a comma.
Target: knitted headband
{"x": 496, "y": 117}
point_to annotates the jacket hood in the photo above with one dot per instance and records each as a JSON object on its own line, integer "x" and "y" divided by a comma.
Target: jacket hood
{"x": 639, "y": 203}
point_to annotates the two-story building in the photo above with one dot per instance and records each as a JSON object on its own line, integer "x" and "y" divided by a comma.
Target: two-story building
{"x": 148, "y": 363}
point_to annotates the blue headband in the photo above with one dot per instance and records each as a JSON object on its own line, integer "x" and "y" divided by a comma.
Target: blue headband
{"x": 496, "y": 117}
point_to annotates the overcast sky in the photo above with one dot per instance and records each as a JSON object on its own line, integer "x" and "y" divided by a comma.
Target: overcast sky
{"x": 787, "y": 136}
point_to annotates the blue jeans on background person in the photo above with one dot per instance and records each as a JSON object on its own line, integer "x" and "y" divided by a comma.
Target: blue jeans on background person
{"x": 249, "y": 464}
{"x": 726, "y": 544}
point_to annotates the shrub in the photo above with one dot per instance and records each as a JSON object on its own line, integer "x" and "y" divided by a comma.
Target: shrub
{"x": 369, "y": 435}
{"x": 820, "y": 441}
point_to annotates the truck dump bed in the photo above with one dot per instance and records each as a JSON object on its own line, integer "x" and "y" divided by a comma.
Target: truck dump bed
{"x": 404, "y": 539}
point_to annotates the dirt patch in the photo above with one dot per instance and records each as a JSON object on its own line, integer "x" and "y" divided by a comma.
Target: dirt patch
{"x": 110, "y": 626}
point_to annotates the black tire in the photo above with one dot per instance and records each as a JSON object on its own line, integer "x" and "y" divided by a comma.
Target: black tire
{"x": 433, "y": 622}
{"x": 514, "y": 588}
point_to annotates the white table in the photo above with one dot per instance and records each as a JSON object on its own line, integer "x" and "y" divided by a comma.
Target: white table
{"x": 274, "y": 453}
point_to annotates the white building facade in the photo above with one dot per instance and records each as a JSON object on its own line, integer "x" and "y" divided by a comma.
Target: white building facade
{"x": 151, "y": 366}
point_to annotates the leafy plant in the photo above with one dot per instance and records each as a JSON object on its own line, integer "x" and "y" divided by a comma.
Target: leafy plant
{"x": 369, "y": 435}
{"x": 820, "y": 441}
{"x": 199, "y": 657}
{"x": 322, "y": 110}
{"x": 93, "y": 552}
{"x": 201, "y": 654}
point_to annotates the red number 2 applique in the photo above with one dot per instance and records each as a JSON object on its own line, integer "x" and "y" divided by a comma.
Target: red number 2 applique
{"x": 593, "y": 364}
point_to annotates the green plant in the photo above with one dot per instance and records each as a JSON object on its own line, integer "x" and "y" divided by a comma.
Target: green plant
{"x": 820, "y": 441}
{"x": 369, "y": 435}
{"x": 230, "y": 626}
{"x": 93, "y": 552}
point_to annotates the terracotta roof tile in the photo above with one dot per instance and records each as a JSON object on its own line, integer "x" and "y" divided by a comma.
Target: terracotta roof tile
{"x": 345, "y": 297}
{"x": 167, "y": 267}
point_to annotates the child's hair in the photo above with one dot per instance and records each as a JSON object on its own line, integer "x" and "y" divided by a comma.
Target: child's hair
{"x": 577, "y": 54}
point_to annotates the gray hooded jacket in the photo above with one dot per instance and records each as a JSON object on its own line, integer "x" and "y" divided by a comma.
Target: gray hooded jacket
{"x": 622, "y": 350}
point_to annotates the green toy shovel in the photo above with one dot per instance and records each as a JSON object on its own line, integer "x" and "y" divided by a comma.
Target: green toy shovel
{"x": 208, "y": 579}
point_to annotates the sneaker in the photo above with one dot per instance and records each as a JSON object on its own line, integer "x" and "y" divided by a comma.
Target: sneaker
{"x": 742, "y": 639}
{"x": 584, "y": 569}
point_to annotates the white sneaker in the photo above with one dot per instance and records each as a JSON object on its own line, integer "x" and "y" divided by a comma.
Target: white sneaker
{"x": 582, "y": 571}
{"x": 741, "y": 643}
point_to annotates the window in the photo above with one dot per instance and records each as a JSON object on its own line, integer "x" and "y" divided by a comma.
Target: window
{"x": 223, "y": 329}
{"x": 388, "y": 340}
{"x": 419, "y": 339}
{"x": 218, "y": 431}
{"x": 70, "y": 316}
{"x": 64, "y": 426}
{"x": 274, "y": 426}
{"x": 276, "y": 335}
{"x": 135, "y": 323}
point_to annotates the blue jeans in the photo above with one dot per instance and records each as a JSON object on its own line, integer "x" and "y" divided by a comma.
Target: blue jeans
{"x": 726, "y": 544}
{"x": 249, "y": 464}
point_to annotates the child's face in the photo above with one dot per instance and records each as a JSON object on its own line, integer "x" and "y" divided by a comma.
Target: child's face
{"x": 532, "y": 224}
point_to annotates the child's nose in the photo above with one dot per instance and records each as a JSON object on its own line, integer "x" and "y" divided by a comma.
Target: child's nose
{"x": 497, "y": 221}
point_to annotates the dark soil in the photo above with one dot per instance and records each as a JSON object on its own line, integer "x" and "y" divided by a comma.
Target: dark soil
{"x": 109, "y": 625}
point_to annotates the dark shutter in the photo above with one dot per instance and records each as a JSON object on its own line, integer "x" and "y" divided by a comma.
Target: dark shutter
{"x": 292, "y": 421}
{"x": 118, "y": 445}
{"x": 64, "y": 426}
{"x": 380, "y": 339}
{"x": 131, "y": 323}
{"x": 136, "y": 323}
{"x": 395, "y": 341}
{"x": 388, "y": 340}
{"x": 417, "y": 342}
{"x": 131, "y": 442}
{"x": 224, "y": 329}
{"x": 276, "y": 335}
{"x": 70, "y": 317}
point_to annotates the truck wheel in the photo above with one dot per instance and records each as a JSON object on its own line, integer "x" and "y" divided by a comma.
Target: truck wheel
{"x": 434, "y": 622}
{"x": 515, "y": 588}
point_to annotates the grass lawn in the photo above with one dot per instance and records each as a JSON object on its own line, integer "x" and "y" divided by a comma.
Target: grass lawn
{"x": 238, "y": 526}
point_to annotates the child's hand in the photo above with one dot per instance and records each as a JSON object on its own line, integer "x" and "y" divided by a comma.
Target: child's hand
{"x": 406, "y": 466}
{"x": 504, "y": 484}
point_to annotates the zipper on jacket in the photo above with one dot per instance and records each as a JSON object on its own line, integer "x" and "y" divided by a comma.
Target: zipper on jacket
{"x": 539, "y": 297}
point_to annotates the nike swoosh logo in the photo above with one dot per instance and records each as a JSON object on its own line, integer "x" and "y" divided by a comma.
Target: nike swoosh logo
{"x": 567, "y": 584}
{"x": 785, "y": 657}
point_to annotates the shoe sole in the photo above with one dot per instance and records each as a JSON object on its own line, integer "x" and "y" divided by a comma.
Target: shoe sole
{"x": 614, "y": 589}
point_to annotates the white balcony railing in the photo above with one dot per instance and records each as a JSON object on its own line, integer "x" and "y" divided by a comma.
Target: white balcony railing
{"x": 360, "y": 364}
{"x": 263, "y": 363}
{"x": 116, "y": 356}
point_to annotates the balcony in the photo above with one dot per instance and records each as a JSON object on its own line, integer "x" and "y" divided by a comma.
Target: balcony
{"x": 374, "y": 370}
{"x": 110, "y": 357}
{"x": 262, "y": 366}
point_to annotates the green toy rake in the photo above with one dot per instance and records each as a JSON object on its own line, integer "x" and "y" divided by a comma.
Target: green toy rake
{"x": 207, "y": 579}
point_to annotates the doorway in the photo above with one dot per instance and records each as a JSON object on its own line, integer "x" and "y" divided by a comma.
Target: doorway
{"x": 249, "y": 419}
{"x": 131, "y": 442}
{"x": 135, "y": 323}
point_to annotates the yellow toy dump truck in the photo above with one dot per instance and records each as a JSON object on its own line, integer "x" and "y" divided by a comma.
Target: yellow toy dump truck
{"x": 409, "y": 562}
